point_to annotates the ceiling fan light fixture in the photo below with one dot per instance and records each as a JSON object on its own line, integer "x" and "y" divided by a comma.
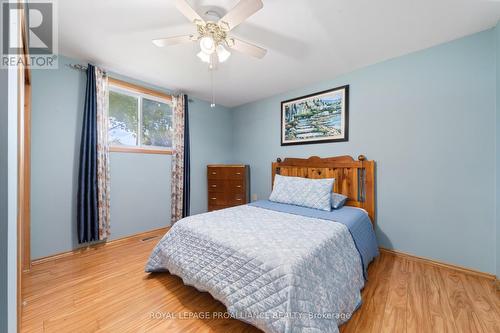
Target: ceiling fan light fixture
{"x": 207, "y": 45}
{"x": 222, "y": 53}
{"x": 204, "y": 57}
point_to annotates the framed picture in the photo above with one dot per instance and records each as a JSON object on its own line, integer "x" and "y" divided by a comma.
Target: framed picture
{"x": 316, "y": 118}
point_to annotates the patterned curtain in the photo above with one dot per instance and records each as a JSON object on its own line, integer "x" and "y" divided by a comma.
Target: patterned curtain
{"x": 103, "y": 196}
{"x": 93, "y": 177}
{"x": 180, "y": 159}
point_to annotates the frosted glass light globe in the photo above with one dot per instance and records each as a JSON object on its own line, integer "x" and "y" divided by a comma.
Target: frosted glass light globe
{"x": 222, "y": 53}
{"x": 204, "y": 57}
{"x": 207, "y": 45}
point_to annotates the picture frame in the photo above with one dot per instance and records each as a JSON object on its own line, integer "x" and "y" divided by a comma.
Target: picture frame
{"x": 321, "y": 117}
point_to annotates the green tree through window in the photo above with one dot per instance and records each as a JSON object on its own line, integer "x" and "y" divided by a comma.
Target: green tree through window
{"x": 156, "y": 124}
{"x": 139, "y": 120}
{"x": 123, "y": 119}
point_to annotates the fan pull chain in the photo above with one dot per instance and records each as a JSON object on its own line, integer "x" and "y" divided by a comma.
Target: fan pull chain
{"x": 212, "y": 105}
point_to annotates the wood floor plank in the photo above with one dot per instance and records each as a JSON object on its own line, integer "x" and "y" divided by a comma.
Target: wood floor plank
{"x": 481, "y": 304}
{"x": 394, "y": 319}
{"x": 417, "y": 307}
{"x": 106, "y": 290}
{"x": 369, "y": 317}
{"x": 440, "y": 315}
{"x": 466, "y": 320}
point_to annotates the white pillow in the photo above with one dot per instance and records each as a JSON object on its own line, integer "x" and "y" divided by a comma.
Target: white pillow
{"x": 312, "y": 193}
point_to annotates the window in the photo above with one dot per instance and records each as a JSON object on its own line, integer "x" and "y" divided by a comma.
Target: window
{"x": 140, "y": 120}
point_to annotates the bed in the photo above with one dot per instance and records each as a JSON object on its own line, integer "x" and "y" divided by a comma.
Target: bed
{"x": 280, "y": 267}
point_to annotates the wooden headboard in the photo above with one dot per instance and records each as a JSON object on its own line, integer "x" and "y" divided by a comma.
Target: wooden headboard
{"x": 353, "y": 178}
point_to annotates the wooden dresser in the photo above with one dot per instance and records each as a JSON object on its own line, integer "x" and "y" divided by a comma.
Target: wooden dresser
{"x": 228, "y": 185}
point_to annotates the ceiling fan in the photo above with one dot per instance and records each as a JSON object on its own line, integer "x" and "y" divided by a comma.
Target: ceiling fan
{"x": 213, "y": 36}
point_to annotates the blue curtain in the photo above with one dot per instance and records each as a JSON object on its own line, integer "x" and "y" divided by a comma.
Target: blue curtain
{"x": 187, "y": 162}
{"x": 87, "y": 215}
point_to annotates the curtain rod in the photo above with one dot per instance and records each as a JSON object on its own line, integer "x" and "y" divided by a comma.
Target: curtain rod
{"x": 83, "y": 68}
{"x": 77, "y": 67}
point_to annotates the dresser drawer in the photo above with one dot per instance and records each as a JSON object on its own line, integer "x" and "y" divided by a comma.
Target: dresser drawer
{"x": 216, "y": 186}
{"x": 236, "y": 199}
{"x": 236, "y": 186}
{"x": 217, "y": 199}
{"x": 235, "y": 173}
{"x": 216, "y": 173}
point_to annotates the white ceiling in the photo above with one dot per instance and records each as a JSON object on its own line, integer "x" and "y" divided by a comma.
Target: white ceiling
{"x": 308, "y": 41}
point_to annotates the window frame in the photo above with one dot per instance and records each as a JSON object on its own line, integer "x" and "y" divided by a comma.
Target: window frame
{"x": 140, "y": 92}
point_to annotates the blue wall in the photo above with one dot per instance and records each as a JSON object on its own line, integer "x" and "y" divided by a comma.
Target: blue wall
{"x": 140, "y": 187}
{"x": 211, "y": 143}
{"x": 140, "y": 183}
{"x": 428, "y": 120}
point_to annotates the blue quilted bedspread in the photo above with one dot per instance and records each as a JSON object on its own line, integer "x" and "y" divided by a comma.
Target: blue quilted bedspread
{"x": 283, "y": 273}
{"x": 355, "y": 219}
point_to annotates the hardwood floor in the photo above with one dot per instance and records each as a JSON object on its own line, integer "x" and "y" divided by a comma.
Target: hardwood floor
{"x": 106, "y": 290}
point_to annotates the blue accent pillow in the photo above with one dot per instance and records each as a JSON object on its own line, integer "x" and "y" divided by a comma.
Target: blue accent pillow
{"x": 312, "y": 193}
{"x": 338, "y": 200}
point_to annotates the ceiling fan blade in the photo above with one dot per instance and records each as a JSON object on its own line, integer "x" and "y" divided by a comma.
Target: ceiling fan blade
{"x": 243, "y": 10}
{"x": 247, "y": 48}
{"x": 189, "y": 12}
{"x": 174, "y": 40}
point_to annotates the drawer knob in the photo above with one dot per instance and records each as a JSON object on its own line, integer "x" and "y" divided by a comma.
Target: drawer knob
{"x": 238, "y": 186}
{"x": 214, "y": 185}
{"x": 238, "y": 199}
{"x": 214, "y": 173}
{"x": 213, "y": 198}
{"x": 238, "y": 173}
